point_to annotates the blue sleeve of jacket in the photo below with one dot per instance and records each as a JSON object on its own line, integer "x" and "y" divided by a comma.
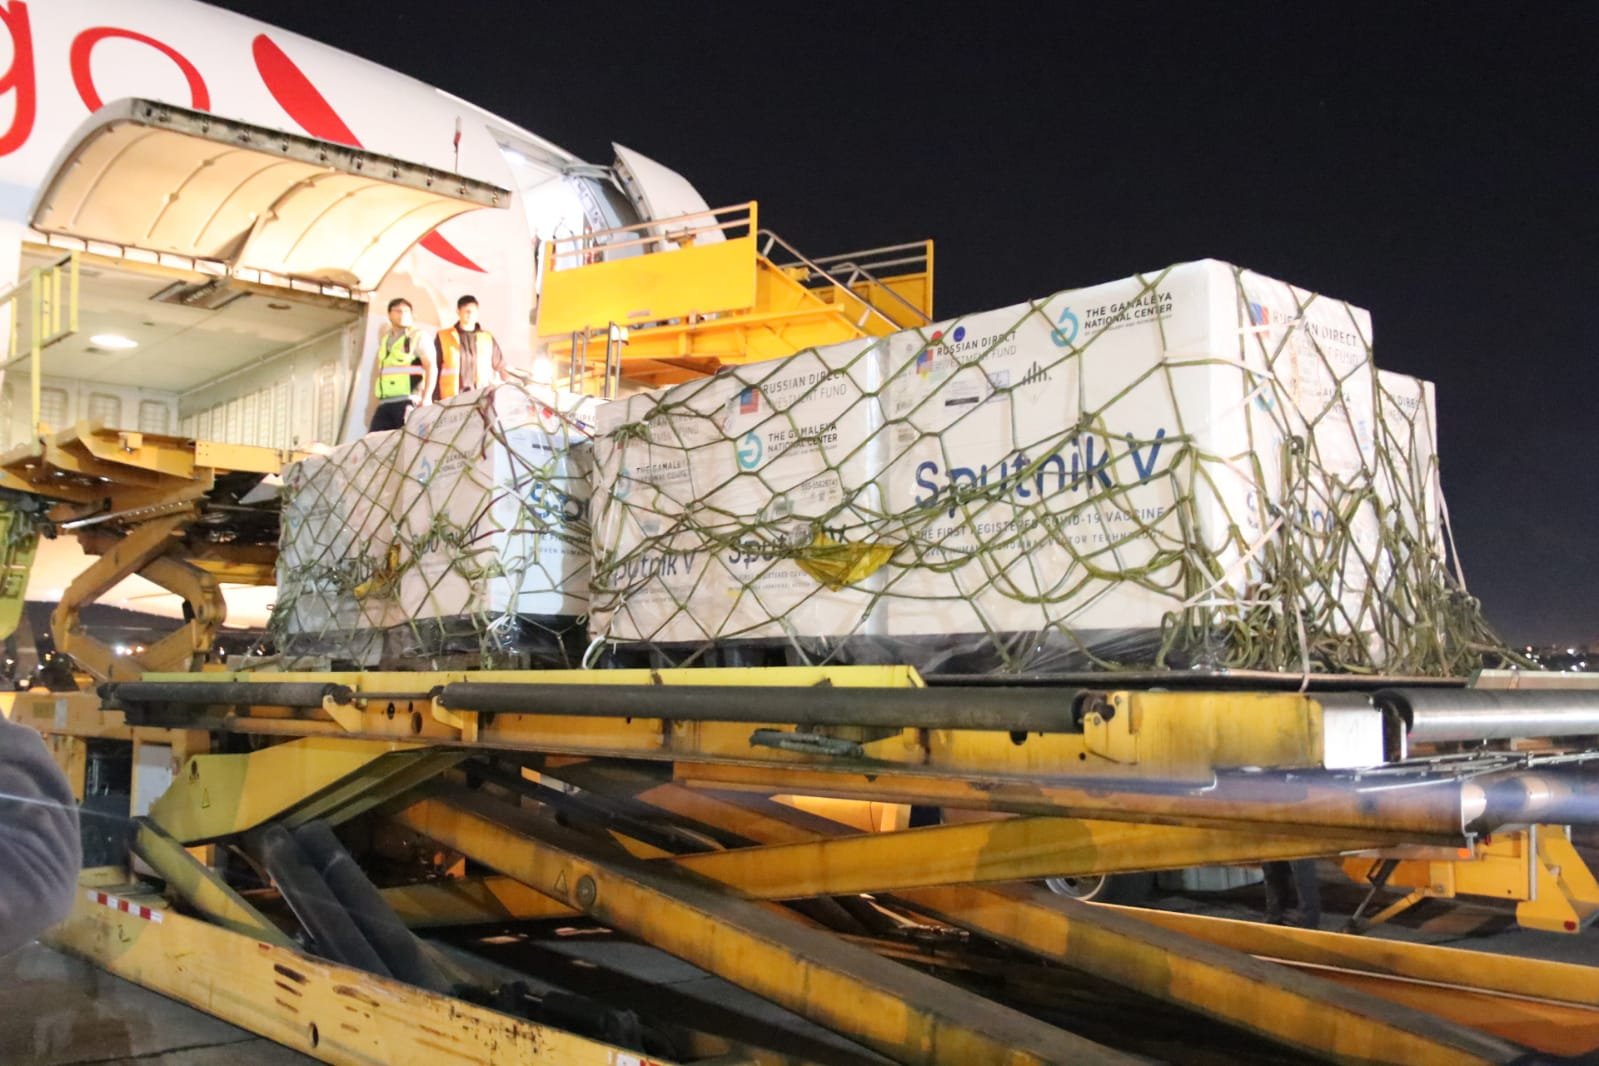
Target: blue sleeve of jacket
{"x": 39, "y": 850}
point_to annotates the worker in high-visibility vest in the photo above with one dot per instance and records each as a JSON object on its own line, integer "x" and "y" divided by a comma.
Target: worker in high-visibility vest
{"x": 467, "y": 355}
{"x": 405, "y": 362}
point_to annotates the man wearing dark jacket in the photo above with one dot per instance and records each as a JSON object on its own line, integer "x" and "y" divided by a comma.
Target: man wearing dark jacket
{"x": 39, "y": 850}
{"x": 466, "y": 356}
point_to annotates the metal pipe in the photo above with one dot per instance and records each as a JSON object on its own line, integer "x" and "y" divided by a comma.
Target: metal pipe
{"x": 1540, "y": 797}
{"x": 396, "y": 945}
{"x": 1441, "y": 715}
{"x": 313, "y": 902}
{"x": 141, "y": 697}
{"x": 1019, "y": 710}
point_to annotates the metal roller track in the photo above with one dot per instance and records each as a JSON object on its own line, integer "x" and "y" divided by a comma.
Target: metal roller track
{"x": 1013, "y": 709}
{"x": 1440, "y": 715}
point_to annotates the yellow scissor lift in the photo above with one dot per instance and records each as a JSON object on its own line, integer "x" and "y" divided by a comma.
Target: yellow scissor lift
{"x": 653, "y": 804}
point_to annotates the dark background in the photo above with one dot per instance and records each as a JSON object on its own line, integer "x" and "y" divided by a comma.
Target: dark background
{"x": 1434, "y": 163}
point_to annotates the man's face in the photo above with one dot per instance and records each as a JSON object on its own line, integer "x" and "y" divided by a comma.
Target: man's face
{"x": 400, "y": 317}
{"x": 467, "y": 313}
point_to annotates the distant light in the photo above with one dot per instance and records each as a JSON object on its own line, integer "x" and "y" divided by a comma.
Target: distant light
{"x": 121, "y": 649}
{"x": 543, "y": 369}
{"x": 114, "y": 341}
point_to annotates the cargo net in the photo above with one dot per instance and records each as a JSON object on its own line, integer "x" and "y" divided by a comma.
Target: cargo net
{"x": 460, "y": 541}
{"x": 1200, "y": 468}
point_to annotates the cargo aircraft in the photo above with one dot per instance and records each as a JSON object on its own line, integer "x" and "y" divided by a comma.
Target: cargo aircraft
{"x": 244, "y": 202}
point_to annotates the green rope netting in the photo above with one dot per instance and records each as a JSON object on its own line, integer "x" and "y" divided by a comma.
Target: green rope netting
{"x": 461, "y": 540}
{"x": 1199, "y": 467}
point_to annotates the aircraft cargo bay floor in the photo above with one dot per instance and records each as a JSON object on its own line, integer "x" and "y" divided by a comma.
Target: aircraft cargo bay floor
{"x": 63, "y": 1012}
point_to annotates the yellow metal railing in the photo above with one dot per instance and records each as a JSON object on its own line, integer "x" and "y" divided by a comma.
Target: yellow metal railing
{"x": 837, "y": 279}
{"x": 649, "y": 272}
{"x": 685, "y": 305}
{"x": 43, "y": 308}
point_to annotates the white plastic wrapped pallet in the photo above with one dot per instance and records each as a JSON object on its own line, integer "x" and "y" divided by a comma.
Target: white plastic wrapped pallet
{"x": 337, "y": 530}
{"x": 1408, "y": 496}
{"x": 706, "y": 498}
{"x": 1089, "y": 462}
{"x": 1409, "y": 483}
{"x": 492, "y": 508}
{"x": 1050, "y": 477}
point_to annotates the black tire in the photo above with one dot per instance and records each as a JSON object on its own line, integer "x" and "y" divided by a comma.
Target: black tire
{"x": 1105, "y": 888}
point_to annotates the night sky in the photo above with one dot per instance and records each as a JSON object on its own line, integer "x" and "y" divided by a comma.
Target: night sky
{"x": 1434, "y": 163}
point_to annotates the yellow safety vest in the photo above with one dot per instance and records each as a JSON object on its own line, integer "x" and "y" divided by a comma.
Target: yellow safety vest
{"x": 399, "y": 365}
{"x": 450, "y": 352}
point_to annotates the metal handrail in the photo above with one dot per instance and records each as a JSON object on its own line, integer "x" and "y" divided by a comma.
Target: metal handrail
{"x": 655, "y": 231}
{"x": 918, "y": 247}
{"x": 857, "y": 272}
{"x": 52, "y": 309}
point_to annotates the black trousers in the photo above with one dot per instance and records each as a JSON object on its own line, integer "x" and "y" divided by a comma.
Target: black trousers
{"x": 390, "y": 414}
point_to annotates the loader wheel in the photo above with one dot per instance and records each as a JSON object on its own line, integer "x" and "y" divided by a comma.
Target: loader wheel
{"x": 1105, "y": 888}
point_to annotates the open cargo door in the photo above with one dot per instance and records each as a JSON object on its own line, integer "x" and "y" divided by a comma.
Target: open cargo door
{"x": 660, "y": 192}
{"x": 148, "y": 175}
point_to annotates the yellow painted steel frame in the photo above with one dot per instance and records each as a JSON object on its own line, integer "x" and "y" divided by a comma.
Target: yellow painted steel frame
{"x": 1296, "y": 1009}
{"x": 1551, "y": 1007}
{"x": 974, "y": 853}
{"x": 673, "y": 903}
{"x": 1536, "y": 867}
{"x": 142, "y": 552}
{"x": 331, "y": 1012}
{"x": 215, "y": 796}
{"x": 910, "y": 1017}
{"x": 199, "y": 886}
{"x": 689, "y": 308}
{"x": 1158, "y": 761}
{"x": 1289, "y": 1007}
{"x": 68, "y": 720}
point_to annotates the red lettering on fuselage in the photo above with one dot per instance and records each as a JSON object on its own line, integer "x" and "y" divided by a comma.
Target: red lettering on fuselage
{"x": 83, "y": 77}
{"x": 307, "y": 106}
{"x": 289, "y": 86}
{"x": 19, "y": 79}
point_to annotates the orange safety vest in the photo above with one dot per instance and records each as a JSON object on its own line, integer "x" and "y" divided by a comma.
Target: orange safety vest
{"x": 450, "y": 353}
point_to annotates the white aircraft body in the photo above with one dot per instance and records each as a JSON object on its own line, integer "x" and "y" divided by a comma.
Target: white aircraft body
{"x": 238, "y": 253}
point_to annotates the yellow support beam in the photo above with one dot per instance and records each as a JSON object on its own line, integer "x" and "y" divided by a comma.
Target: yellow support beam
{"x": 1008, "y": 849}
{"x": 904, "y": 1014}
{"x": 1296, "y": 1002}
{"x": 200, "y": 887}
{"x": 1549, "y": 1006}
{"x": 1163, "y": 757}
{"x": 327, "y": 1011}
{"x": 215, "y": 796}
{"x": 1301, "y": 807}
{"x": 471, "y": 901}
{"x": 1283, "y": 1005}
{"x": 1001, "y": 850}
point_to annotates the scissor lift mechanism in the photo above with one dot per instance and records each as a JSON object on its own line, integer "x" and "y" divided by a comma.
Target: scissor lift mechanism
{"x": 671, "y": 836}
